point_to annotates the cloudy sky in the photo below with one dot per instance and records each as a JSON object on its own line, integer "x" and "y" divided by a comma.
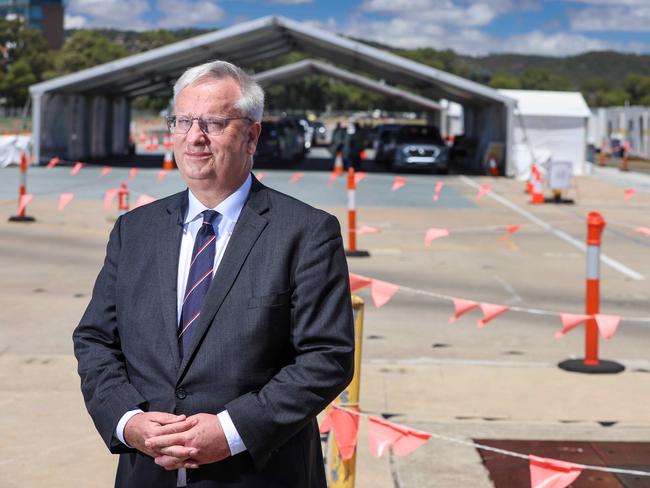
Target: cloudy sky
{"x": 547, "y": 27}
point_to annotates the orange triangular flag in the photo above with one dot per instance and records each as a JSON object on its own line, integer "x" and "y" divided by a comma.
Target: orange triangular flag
{"x": 133, "y": 173}
{"x": 358, "y": 177}
{"x": 260, "y": 176}
{"x": 629, "y": 193}
{"x": 75, "y": 169}
{"x": 483, "y": 190}
{"x": 381, "y": 435}
{"x": 434, "y": 233}
{"x": 551, "y": 473}
{"x": 399, "y": 182}
{"x": 607, "y": 324}
{"x": 462, "y": 306}
{"x": 53, "y": 162}
{"x": 143, "y": 200}
{"x": 570, "y": 321}
{"x": 332, "y": 178}
{"x": 490, "y": 311}
{"x": 438, "y": 189}
{"x": 296, "y": 177}
{"x": 410, "y": 442}
{"x": 366, "y": 229}
{"x": 345, "y": 426}
{"x": 108, "y": 197}
{"x": 105, "y": 171}
{"x": 161, "y": 174}
{"x": 357, "y": 282}
{"x": 382, "y": 292}
{"x": 64, "y": 199}
{"x": 23, "y": 201}
{"x": 643, "y": 230}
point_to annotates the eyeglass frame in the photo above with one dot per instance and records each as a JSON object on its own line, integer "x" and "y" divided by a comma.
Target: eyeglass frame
{"x": 171, "y": 119}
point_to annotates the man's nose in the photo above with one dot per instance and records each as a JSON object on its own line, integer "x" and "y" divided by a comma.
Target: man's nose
{"x": 195, "y": 133}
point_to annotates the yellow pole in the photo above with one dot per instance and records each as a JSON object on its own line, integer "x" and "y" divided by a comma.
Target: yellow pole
{"x": 342, "y": 473}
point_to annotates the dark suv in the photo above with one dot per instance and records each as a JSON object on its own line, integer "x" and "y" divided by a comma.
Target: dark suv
{"x": 418, "y": 147}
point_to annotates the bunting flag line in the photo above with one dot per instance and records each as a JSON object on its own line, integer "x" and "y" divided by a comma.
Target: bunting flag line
{"x": 483, "y": 190}
{"x": 569, "y": 322}
{"x": 628, "y": 194}
{"x": 332, "y": 178}
{"x": 437, "y": 190}
{"x": 399, "y": 182}
{"x": 511, "y": 229}
{"x": 64, "y": 199}
{"x": 490, "y": 311}
{"x": 358, "y": 177}
{"x": 75, "y": 169}
{"x": 382, "y": 292}
{"x": 296, "y": 177}
{"x": 105, "y": 171}
{"x": 260, "y": 176}
{"x": 53, "y": 162}
{"x": 551, "y": 473}
{"x": 143, "y": 200}
{"x": 357, "y": 282}
{"x": 366, "y": 229}
{"x": 643, "y": 230}
{"x": 434, "y": 233}
{"x": 462, "y": 306}
{"x": 23, "y": 202}
{"x": 133, "y": 173}
{"x": 162, "y": 174}
{"x": 544, "y": 472}
{"x": 607, "y": 324}
{"x": 109, "y": 196}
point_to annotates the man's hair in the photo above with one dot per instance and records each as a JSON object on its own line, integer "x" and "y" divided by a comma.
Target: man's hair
{"x": 251, "y": 102}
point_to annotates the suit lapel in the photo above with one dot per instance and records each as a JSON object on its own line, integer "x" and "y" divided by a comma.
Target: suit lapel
{"x": 246, "y": 232}
{"x": 169, "y": 246}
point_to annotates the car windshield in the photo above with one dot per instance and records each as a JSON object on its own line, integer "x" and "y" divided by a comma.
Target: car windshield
{"x": 422, "y": 134}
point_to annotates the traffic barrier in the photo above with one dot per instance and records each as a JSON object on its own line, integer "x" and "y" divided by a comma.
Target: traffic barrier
{"x": 148, "y": 145}
{"x": 537, "y": 193}
{"x": 338, "y": 164}
{"x": 168, "y": 162}
{"x": 123, "y": 199}
{"x": 23, "y": 197}
{"x": 591, "y": 363}
{"x": 352, "y": 250}
{"x": 341, "y": 469}
{"x": 155, "y": 142}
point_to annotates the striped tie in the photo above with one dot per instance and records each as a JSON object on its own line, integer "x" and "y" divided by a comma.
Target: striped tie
{"x": 198, "y": 279}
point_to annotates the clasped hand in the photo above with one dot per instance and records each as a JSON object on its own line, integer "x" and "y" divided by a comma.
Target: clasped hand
{"x": 177, "y": 441}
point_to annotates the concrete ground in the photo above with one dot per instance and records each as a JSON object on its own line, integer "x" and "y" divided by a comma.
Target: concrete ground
{"x": 498, "y": 382}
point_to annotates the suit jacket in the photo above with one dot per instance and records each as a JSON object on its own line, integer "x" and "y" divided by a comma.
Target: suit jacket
{"x": 274, "y": 343}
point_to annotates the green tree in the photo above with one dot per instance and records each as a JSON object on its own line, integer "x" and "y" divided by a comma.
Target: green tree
{"x": 612, "y": 98}
{"x": 86, "y": 49}
{"x": 152, "y": 39}
{"x": 541, "y": 79}
{"x": 14, "y": 85}
{"x": 638, "y": 86}
{"x": 505, "y": 80}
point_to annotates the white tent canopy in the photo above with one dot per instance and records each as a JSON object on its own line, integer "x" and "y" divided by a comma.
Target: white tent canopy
{"x": 549, "y": 125}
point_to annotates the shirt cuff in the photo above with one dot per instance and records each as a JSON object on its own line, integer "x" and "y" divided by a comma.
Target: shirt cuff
{"x": 235, "y": 442}
{"x": 119, "y": 430}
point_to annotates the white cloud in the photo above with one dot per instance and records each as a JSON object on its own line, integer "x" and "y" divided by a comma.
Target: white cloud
{"x": 187, "y": 13}
{"x": 611, "y": 18}
{"x": 119, "y": 14}
{"x": 74, "y": 21}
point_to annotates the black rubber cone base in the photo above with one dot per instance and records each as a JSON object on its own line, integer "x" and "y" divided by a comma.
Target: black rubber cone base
{"x": 357, "y": 254}
{"x": 18, "y": 218}
{"x": 603, "y": 367}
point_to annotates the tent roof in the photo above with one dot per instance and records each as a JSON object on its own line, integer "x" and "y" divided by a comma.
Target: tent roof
{"x": 153, "y": 72}
{"x": 306, "y": 67}
{"x": 549, "y": 103}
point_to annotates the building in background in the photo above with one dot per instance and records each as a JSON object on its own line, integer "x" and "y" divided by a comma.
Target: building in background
{"x": 45, "y": 16}
{"x": 617, "y": 126}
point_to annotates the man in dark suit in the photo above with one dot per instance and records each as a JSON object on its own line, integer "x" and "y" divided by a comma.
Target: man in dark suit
{"x": 220, "y": 324}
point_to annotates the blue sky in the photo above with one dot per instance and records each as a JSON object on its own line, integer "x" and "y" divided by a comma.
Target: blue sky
{"x": 546, "y": 27}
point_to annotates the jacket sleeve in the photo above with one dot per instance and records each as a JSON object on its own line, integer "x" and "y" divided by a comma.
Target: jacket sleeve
{"x": 105, "y": 385}
{"x": 322, "y": 341}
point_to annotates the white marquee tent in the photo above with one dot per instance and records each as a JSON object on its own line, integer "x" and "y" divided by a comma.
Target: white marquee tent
{"x": 549, "y": 125}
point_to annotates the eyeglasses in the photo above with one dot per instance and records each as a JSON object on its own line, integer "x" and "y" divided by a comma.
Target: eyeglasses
{"x": 212, "y": 126}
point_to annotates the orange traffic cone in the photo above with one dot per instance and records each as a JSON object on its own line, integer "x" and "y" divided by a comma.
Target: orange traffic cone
{"x": 493, "y": 166}
{"x": 338, "y": 164}
{"x": 537, "y": 195}
{"x": 168, "y": 162}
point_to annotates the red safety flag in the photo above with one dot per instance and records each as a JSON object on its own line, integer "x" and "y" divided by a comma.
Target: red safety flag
{"x": 462, "y": 306}
{"x": 161, "y": 174}
{"x": 75, "y": 169}
{"x": 401, "y": 439}
{"x": 490, "y": 311}
{"x": 483, "y": 190}
{"x": 570, "y": 321}
{"x": 296, "y": 177}
{"x": 358, "y": 177}
{"x": 366, "y": 229}
{"x": 53, "y": 162}
{"x": 551, "y": 473}
{"x": 24, "y": 200}
{"x": 629, "y": 193}
{"x": 643, "y": 230}
{"x": 332, "y": 178}
{"x": 607, "y": 324}
{"x": 260, "y": 176}
{"x": 382, "y": 292}
{"x": 105, "y": 171}
{"x": 143, "y": 200}
{"x": 438, "y": 189}
{"x": 357, "y": 282}
{"x": 109, "y": 196}
{"x": 399, "y": 182}
{"x": 512, "y": 228}
{"x": 64, "y": 199}
{"x": 345, "y": 426}
{"x": 133, "y": 173}
{"x": 434, "y": 233}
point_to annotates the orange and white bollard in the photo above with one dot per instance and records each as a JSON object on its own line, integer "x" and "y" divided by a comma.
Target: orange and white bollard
{"x": 22, "y": 193}
{"x": 493, "y": 167}
{"x": 591, "y": 362}
{"x": 352, "y": 250}
{"x": 123, "y": 199}
{"x": 168, "y": 162}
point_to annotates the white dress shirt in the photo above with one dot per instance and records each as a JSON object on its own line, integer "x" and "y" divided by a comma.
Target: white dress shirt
{"x": 224, "y": 223}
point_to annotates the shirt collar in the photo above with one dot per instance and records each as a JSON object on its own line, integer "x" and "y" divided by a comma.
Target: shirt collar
{"x": 230, "y": 208}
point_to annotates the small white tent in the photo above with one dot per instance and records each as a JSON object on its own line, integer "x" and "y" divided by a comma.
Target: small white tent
{"x": 549, "y": 125}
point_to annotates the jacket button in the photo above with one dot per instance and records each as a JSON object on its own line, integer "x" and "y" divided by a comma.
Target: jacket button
{"x": 181, "y": 393}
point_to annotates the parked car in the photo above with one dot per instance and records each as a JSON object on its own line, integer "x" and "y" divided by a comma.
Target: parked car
{"x": 418, "y": 147}
{"x": 281, "y": 140}
{"x": 319, "y": 133}
{"x": 384, "y": 142}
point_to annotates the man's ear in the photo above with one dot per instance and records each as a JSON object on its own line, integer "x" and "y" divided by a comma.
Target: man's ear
{"x": 253, "y": 135}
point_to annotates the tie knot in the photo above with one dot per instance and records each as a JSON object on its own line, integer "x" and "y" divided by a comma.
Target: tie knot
{"x": 209, "y": 216}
